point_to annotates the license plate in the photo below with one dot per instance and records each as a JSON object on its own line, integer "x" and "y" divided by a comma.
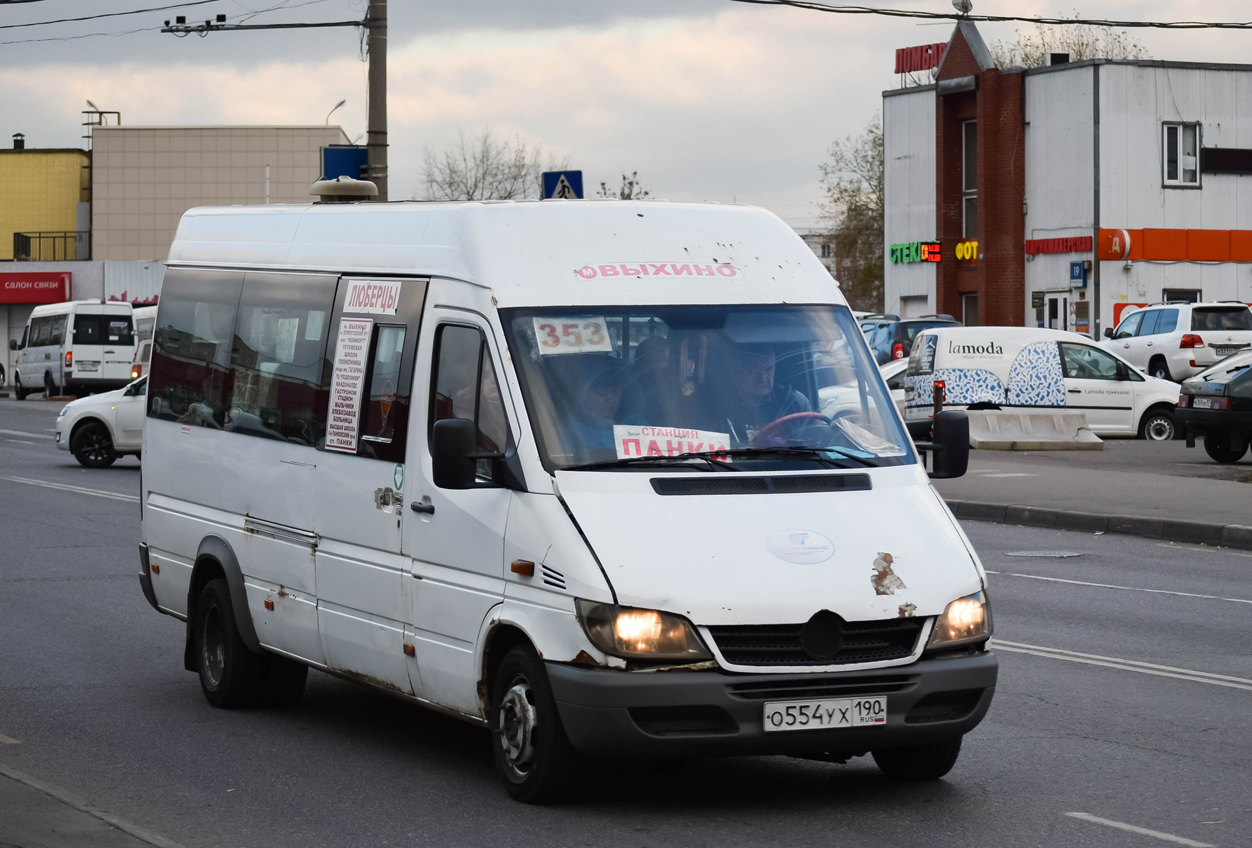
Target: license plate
{"x": 1227, "y": 351}
{"x": 1202, "y": 403}
{"x": 88, "y": 366}
{"x": 825, "y": 715}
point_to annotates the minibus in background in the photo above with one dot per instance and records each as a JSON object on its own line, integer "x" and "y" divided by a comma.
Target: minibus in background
{"x": 78, "y": 347}
{"x": 559, "y": 469}
{"x": 145, "y": 320}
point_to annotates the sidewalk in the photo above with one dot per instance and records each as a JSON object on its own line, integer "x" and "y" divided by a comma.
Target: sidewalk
{"x": 31, "y": 818}
{"x": 1160, "y": 490}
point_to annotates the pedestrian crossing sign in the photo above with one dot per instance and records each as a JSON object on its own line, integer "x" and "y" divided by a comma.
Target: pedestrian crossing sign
{"x": 562, "y": 185}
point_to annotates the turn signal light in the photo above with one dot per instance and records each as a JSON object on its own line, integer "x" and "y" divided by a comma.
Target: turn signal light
{"x": 269, "y": 605}
{"x": 134, "y": 373}
{"x": 1190, "y": 340}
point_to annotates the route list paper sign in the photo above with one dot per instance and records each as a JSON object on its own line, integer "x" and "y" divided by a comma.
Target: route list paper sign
{"x": 347, "y": 383}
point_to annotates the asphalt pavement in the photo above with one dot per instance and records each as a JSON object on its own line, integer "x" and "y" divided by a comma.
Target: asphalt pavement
{"x": 1120, "y": 718}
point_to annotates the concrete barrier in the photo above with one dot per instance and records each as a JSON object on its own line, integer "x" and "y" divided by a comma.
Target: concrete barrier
{"x": 1035, "y": 430}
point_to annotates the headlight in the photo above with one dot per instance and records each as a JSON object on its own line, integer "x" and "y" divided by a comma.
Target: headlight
{"x": 965, "y": 620}
{"x": 640, "y": 634}
{"x": 64, "y": 410}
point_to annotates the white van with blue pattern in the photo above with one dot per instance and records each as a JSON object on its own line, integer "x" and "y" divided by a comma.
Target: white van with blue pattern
{"x": 1020, "y": 367}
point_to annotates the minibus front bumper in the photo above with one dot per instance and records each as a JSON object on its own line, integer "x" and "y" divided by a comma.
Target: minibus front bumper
{"x": 677, "y": 713}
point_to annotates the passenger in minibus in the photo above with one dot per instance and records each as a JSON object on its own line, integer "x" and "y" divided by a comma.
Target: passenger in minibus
{"x": 605, "y": 399}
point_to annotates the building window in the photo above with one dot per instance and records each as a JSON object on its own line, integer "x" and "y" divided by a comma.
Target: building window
{"x": 1181, "y": 154}
{"x": 826, "y": 250}
{"x": 969, "y": 179}
{"x": 969, "y": 310}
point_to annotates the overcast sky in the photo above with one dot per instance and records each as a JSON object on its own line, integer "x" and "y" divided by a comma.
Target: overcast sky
{"x": 706, "y": 99}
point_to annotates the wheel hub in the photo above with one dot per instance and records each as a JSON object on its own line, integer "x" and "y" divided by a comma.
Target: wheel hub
{"x": 1159, "y": 430}
{"x": 212, "y": 650}
{"x": 518, "y": 721}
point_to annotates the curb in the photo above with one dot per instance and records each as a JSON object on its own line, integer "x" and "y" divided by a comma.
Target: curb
{"x": 1168, "y": 530}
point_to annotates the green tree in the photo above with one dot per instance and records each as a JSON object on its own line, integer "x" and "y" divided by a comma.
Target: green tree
{"x": 1030, "y": 48}
{"x": 852, "y": 209}
{"x": 631, "y": 189}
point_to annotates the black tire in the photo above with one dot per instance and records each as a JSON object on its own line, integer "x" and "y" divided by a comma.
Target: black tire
{"x": 49, "y": 387}
{"x": 2, "y": 377}
{"x": 1159, "y": 368}
{"x": 920, "y": 762}
{"x": 1225, "y": 447}
{"x": 92, "y": 446}
{"x": 1158, "y": 425}
{"x": 533, "y": 755}
{"x": 18, "y": 391}
{"x": 230, "y": 674}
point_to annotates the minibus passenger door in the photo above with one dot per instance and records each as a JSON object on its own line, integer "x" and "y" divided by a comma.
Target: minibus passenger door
{"x": 455, "y": 538}
{"x": 361, "y": 575}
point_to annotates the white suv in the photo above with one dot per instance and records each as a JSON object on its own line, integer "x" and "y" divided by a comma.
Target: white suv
{"x": 1175, "y": 340}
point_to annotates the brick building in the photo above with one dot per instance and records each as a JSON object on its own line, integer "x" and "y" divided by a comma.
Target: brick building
{"x": 1063, "y": 195}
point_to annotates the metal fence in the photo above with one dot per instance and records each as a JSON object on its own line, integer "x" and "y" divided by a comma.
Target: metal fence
{"x": 52, "y": 247}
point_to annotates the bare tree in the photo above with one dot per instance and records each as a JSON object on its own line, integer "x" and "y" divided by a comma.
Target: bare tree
{"x": 631, "y": 189}
{"x": 1030, "y": 49}
{"x": 487, "y": 168}
{"x": 852, "y": 181}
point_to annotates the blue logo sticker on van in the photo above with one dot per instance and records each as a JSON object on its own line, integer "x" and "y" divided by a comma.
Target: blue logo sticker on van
{"x": 803, "y": 547}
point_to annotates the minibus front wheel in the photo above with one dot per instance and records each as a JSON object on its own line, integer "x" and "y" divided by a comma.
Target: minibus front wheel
{"x": 532, "y": 752}
{"x": 919, "y": 762}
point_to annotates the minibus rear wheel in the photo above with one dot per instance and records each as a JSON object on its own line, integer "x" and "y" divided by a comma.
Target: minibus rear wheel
{"x": 230, "y": 674}
{"x": 919, "y": 762}
{"x": 533, "y": 755}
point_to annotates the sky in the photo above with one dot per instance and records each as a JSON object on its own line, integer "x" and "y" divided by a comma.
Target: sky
{"x": 705, "y": 99}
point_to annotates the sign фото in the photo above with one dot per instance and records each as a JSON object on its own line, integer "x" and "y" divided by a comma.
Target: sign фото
{"x": 967, "y": 251}
{"x": 917, "y": 251}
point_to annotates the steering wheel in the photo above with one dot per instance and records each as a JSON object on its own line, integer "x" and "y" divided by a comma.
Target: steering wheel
{"x": 769, "y": 430}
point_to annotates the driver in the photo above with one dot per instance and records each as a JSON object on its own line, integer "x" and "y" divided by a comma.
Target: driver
{"x": 756, "y": 399}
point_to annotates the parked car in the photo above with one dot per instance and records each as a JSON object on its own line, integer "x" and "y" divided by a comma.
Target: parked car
{"x": 1176, "y": 339}
{"x": 1027, "y": 367}
{"x": 891, "y": 337}
{"x": 455, "y": 470}
{"x": 1216, "y": 405}
{"x": 100, "y": 428}
{"x": 79, "y": 347}
{"x": 143, "y": 355}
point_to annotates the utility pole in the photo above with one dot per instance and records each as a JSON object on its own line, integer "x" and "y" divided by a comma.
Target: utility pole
{"x": 376, "y": 25}
{"x": 376, "y": 140}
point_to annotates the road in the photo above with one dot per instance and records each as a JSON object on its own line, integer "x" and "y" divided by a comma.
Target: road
{"x": 1142, "y": 724}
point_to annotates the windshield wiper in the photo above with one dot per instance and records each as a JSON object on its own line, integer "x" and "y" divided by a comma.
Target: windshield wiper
{"x": 823, "y": 455}
{"x": 706, "y": 457}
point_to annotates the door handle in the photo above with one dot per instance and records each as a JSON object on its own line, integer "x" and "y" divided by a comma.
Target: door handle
{"x": 1075, "y": 391}
{"x": 423, "y": 508}
{"x": 1149, "y": 344}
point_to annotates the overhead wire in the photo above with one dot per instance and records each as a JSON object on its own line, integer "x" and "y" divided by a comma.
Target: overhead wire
{"x": 107, "y": 14}
{"x": 1029, "y": 19}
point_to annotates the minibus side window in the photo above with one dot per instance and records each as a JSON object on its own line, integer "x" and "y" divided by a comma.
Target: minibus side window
{"x": 385, "y": 415}
{"x": 278, "y": 358}
{"x": 38, "y": 332}
{"x": 56, "y": 332}
{"x": 466, "y": 386}
{"x": 191, "y": 349}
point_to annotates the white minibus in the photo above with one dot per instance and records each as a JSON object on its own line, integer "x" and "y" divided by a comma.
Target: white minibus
{"x": 558, "y": 469}
{"x": 1036, "y": 368}
{"x": 79, "y": 347}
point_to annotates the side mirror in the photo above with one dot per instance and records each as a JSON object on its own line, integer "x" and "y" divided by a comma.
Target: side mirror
{"x": 452, "y": 445}
{"x": 12, "y": 344}
{"x": 1108, "y": 332}
{"x": 950, "y": 444}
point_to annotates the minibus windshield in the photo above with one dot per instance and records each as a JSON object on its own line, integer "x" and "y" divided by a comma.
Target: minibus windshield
{"x": 617, "y": 387}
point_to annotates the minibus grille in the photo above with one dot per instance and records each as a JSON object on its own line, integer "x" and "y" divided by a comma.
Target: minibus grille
{"x": 781, "y": 485}
{"x": 823, "y": 687}
{"x": 780, "y": 644}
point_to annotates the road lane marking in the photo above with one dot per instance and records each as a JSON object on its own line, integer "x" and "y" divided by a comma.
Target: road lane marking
{"x": 99, "y": 493}
{"x": 8, "y": 740}
{"x": 26, "y": 434}
{"x": 20, "y": 441}
{"x": 1142, "y": 831}
{"x": 1126, "y": 665}
{"x": 1009, "y": 474}
{"x": 1124, "y": 588}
